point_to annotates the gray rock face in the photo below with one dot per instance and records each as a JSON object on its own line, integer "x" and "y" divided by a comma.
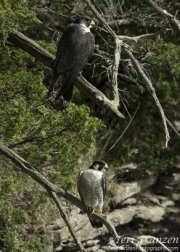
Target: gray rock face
{"x": 125, "y": 215}
{"x": 127, "y": 190}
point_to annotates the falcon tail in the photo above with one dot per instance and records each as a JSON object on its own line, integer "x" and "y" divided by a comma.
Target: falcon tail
{"x": 67, "y": 87}
{"x": 54, "y": 79}
{"x": 68, "y": 93}
{"x": 95, "y": 223}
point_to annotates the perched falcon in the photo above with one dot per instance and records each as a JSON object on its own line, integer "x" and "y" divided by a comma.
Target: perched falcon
{"x": 92, "y": 188}
{"x": 75, "y": 47}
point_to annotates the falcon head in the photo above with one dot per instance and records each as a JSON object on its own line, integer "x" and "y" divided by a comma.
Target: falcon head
{"x": 99, "y": 165}
{"x": 85, "y": 21}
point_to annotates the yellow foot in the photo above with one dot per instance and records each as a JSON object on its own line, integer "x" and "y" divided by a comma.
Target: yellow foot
{"x": 93, "y": 210}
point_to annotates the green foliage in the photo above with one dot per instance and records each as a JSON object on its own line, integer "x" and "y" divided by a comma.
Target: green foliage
{"x": 15, "y": 14}
{"x": 51, "y": 140}
{"x": 33, "y": 245}
{"x": 13, "y": 217}
{"x": 166, "y": 60}
{"x": 49, "y": 47}
{"x": 61, "y": 6}
{"x": 47, "y": 137}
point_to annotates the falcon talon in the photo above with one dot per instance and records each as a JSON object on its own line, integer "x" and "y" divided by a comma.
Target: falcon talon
{"x": 92, "y": 188}
{"x": 92, "y": 212}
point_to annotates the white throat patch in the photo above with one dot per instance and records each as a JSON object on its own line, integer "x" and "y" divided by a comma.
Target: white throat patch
{"x": 84, "y": 28}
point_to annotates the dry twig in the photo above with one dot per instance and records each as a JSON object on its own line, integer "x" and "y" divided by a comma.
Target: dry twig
{"x": 65, "y": 218}
{"x": 153, "y": 93}
{"x": 164, "y": 13}
{"x": 122, "y": 133}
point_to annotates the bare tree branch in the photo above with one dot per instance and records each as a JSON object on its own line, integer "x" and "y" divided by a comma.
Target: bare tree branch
{"x": 47, "y": 59}
{"x": 96, "y": 95}
{"x": 140, "y": 22}
{"x": 65, "y": 218}
{"x": 153, "y": 93}
{"x": 117, "y": 55}
{"x": 170, "y": 124}
{"x": 164, "y": 13}
{"x": 143, "y": 36}
{"x": 100, "y": 18}
{"x": 132, "y": 118}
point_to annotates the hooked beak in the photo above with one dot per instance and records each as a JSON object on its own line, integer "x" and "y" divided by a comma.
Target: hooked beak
{"x": 92, "y": 23}
{"x": 105, "y": 167}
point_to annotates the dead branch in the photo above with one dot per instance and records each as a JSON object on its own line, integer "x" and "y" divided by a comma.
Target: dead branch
{"x": 47, "y": 59}
{"x": 153, "y": 93}
{"x": 164, "y": 13}
{"x": 96, "y": 95}
{"x": 143, "y": 36}
{"x": 117, "y": 55}
{"x": 170, "y": 124}
{"x": 139, "y": 22}
{"x": 100, "y": 18}
{"x": 126, "y": 128}
{"x": 65, "y": 218}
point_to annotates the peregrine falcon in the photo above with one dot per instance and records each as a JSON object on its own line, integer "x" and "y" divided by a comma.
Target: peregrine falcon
{"x": 91, "y": 186}
{"x": 75, "y": 47}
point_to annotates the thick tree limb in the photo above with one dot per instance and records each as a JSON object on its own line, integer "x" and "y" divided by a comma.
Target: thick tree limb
{"x": 47, "y": 59}
{"x": 31, "y": 47}
{"x": 140, "y": 22}
{"x": 96, "y": 95}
